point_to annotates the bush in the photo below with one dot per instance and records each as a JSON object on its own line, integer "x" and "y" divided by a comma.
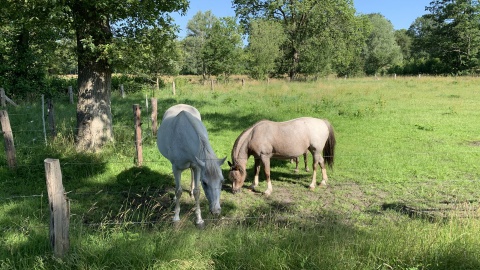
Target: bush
{"x": 58, "y": 86}
{"x": 132, "y": 84}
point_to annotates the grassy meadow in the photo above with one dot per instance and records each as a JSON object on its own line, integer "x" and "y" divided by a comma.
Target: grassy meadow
{"x": 403, "y": 193}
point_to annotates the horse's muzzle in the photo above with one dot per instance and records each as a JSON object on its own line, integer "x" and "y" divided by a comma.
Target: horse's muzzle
{"x": 216, "y": 211}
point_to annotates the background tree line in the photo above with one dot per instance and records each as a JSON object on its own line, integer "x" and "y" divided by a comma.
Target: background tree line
{"x": 41, "y": 39}
{"x": 268, "y": 38}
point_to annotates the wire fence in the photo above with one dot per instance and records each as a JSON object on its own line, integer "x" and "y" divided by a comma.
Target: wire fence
{"x": 469, "y": 205}
{"x": 417, "y": 206}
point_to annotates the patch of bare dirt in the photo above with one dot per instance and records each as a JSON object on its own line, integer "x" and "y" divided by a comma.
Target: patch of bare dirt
{"x": 474, "y": 143}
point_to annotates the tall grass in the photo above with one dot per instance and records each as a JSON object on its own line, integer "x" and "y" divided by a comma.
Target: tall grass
{"x": 403, "y": 193}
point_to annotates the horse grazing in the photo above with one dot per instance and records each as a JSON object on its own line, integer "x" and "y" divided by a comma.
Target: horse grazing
{"x": 183, "y": 140}
{"x": 268, "y": 139}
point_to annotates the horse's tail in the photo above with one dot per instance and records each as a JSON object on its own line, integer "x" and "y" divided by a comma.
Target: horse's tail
{"x": 329, "y": 148}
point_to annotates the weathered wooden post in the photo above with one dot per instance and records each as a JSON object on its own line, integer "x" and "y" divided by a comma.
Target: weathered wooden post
{"x": 154, "y": 102}
{"x": 173, "y": 87}
{"x": 43, "y": 120}
{"x": 243, "y": 82}
{"x": 8, "y": 138}
{"x": 122, "y": 92}
{"x": 157, "y": 84}
{"x": 51, "y": 118}
{"x": 3, "y": 97}
{"x": 59, "y": 208}
{"x": 211, "y": 84}
{"x": 138, "y": 135}
{"x": 70, "y": 94}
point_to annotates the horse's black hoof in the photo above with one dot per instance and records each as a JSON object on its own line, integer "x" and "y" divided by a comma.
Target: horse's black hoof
{"x": 200, "y": 225}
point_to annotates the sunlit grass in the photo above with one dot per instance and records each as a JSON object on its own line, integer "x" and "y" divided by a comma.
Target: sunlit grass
{"x": 403, "y": 193}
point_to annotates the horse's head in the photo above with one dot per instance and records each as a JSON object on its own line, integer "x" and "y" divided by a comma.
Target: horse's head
{"x": 212, "y": 180}
{"x": 237, "y": 175}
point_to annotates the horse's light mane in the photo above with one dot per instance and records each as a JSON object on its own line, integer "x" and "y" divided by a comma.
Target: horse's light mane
{"x": 208, "y": 156}
{"x": 205, "y": 151}
{"x": 241, "y": 139}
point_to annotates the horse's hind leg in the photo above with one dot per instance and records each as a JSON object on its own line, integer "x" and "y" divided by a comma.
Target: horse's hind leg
{"x": 192, "y": 184}
{"x": 318, "y": 160}
{"x": 305, "y": 160}
{"x": 178, "y": 193}
{"x": 296, "y": 164}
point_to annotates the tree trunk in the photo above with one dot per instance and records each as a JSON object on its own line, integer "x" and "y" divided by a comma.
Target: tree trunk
{"x": 94, "y": 116}
{"x": 293, "y": 70}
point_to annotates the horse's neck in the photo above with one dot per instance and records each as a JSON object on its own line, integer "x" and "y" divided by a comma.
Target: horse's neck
{"x": 240, "y": 151}
{"x": 205, "y": 150}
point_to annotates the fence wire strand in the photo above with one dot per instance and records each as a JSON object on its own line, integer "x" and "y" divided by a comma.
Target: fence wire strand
{"x": 147, "y": 136}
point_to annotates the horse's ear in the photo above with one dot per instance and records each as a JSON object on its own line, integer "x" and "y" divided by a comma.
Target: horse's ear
{"x": 233, "y": 167}
{"x": 221, "y": 161}
{"x": 200, "y": 162}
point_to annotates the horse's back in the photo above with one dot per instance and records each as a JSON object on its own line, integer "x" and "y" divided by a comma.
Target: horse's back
{"x": 176, "y": 109}
{"x": 292, "y": 137}
{"x": 301, "y": 127}
{"x": 178, "y": 136}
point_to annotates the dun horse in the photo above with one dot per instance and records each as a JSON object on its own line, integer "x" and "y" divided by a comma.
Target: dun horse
{"x": 183, "y": 140}
{"x": 284, "y": 140}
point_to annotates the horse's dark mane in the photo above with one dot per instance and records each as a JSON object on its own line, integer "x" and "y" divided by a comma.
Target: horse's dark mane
{"x": 240, "y": 137}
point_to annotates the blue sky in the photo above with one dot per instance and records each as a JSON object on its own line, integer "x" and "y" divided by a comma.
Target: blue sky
{"x": 401, "y": 13}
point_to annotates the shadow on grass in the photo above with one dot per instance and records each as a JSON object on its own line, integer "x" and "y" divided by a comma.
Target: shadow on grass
{"x": 412, "y": 212}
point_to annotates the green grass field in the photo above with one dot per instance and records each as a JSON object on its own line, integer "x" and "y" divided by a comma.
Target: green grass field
{"x": 403, "y": 194}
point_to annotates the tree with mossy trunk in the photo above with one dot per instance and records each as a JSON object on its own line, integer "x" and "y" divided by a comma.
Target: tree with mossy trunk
{"x": 95, "y": 24}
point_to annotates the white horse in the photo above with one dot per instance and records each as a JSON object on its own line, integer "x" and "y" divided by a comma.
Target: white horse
{"x": 183, "y": 140}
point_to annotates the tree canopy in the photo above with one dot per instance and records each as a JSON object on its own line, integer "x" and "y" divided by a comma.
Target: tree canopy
{"x": 41, "y": 38}
{"x": 382, "y": 50}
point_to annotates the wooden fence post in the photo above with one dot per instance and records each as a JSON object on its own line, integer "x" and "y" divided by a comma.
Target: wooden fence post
{"x": 138, "y": 135}
{"x": 173, "y": 87}
{"x": 8, "y": 138}
{"x": 122, "y": 91}
{"x": 43, "y": 120}
{"x": 154, "y": 102}
{"x": 59, "y": 208}
{"x": 51, "y": 118}
{"x": 3, "y": 97}
{"x": 70, "y": 94}
{"x": 211, "y": 84}
{"x": 243, "y": 82}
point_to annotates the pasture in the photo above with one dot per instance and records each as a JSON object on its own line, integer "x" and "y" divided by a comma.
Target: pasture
{"x": 404, "y": 192}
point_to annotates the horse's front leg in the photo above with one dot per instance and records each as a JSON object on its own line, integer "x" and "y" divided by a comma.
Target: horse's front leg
{"x": 266, "y": 168}
{"x": 196, "y": 195}
{"x": 178, "y": 193}
{"x": 257, "y": 166}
